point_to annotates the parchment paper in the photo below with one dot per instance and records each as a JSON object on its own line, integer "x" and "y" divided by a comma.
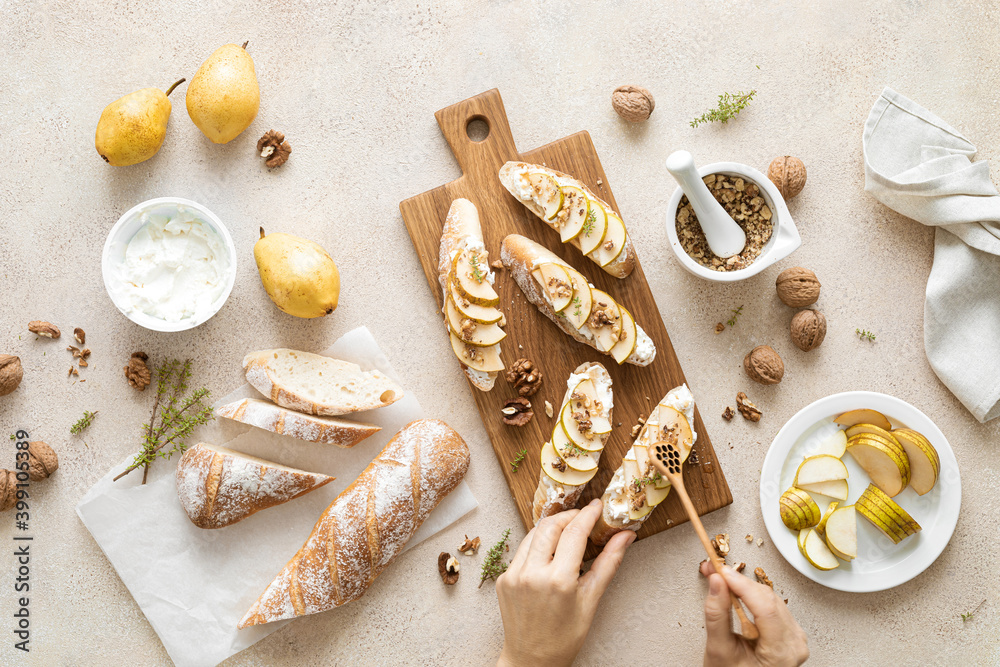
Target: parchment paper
{"x": 194, "y": 585}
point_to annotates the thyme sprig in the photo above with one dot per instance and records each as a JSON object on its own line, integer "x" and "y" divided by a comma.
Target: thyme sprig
{"x": 477, "y": 272}
{"x": 515, "y": 464}
{"x": 736, "y": 315}
{"x": 83, "y": 422}
{"x": 730, "y": 105}
{"x": 175, "y": 415}
{"x": 493, "y": 564}
{"x": 864, "y": 334}
{"x": 588, "y": 226}
{"x": 578, "y": 304}
{"x": 968, "y": 617}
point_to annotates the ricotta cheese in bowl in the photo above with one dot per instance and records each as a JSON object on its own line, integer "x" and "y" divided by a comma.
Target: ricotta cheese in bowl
{"x": 169, "y": 264}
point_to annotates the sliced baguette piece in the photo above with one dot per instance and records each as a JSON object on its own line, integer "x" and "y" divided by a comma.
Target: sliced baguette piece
{"x": 520, "y": 255}
{"x": 311, "y": 428}
{"x": 463, "y": 230}
{"x": 218, "y": 486}
{"x": 515, "y": 177}
{"x": 318, "y": 385}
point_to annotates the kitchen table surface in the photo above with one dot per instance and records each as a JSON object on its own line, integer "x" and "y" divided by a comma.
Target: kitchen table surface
{"x": 354, "y": 87}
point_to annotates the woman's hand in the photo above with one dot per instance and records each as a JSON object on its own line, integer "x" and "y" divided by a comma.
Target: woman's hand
{"x": 547, "y": 607}
{"x": 782, "y": 642}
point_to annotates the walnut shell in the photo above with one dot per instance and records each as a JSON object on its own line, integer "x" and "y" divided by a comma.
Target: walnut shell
{"x": 633, "y": 103}
{"x": 797, "y": 287}
{"x": 42, "y": 460}
{"x": 11, "y": 373}
{"x": 763, "y": 365}
{"x": 8, "y": 489}
{"x": 788, "y": 175}
{"x": 808, "y": 329}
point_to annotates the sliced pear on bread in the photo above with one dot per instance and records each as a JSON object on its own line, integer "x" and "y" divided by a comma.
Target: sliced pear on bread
{"x": 925, "y": 464}
{"x": 656, "y": 495}
{"x": 478, "y": 334}
{"x": 613, "y": 243}
{"x": 627, "y": 338}
{"x": 475, "y": 312}
{"x": 580, "y": 305}
{"x": 852, "y": 417}
{"x": 818, "y": 469}
{"x": 837, "y": 489}
{"x": 607, "y": 334}
{"x": 555, "y": 282}
{"x": 584, "y": 398}
{"x": 646, "y": 468}
{"x": 555, "y": 468}
{"x": 576, "y": 458}
{"x": 589, "y": 441}
{"x": 468, "y": 275}
{"x": 546, "y": 193}
{"x": 574, "y": 212}
{"x": 592, "y": 235}
{"x": 817, "y": 553}
{"x": 673, "y": 426}
{"x": 635, "y": 493}
{"x": 482, "y": 359}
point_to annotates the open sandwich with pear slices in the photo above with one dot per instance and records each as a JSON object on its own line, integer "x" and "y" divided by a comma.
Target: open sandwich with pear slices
{"x": 579, "y": 216}
{"x": 571, "y": 456}
{"x": 566, "y": 297}
{"x": 637, "y": 488}
{"x": 471, "y": 304}
{"x": 893, "y": 458}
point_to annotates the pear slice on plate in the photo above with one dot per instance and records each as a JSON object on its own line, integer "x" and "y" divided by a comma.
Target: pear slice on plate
{"x": 884, "y": 461}
{"x": 574, "y": 212}
{"x": 555, "y": 468}
{"x": 818, "y": 469}
{"x": 837, "y": 489}
{"x": 546, "y": 193}
{"x": 834, "y": 445}
{"x": 592, "y": 235}
{"x": 817, "y": 553}
{"x": 821, "y": 526}
{"x": 852, "y": 417}
{"x": 925, "y": 464}
{"x": 798, "y": 509}
{"x": 842, "y": 533}
{"x": 555, "y": 282}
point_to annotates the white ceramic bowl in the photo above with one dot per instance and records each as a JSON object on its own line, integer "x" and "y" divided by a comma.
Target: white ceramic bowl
{"x": 784, "y": 238}
{"x": 880, "y": 563}
{"x": 127, "y": 227}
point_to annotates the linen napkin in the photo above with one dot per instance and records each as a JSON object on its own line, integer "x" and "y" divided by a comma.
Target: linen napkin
{"x": 921, "y": 167}
{"x": 194, "y": 585}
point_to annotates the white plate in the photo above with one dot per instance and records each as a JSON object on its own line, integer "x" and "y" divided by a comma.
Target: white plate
{"x": 880, "y": 563}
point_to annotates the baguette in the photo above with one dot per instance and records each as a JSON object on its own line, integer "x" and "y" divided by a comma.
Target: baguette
{"x": 311, "y": 428}
{"x": 613, "y": 253}
{"x": 465, "y": 320}
{"x": 218, "y": 486}
{"x": 557, "y": 495}
{"x": 318, "y": 385}
{"x": 624, "y": 509}
{"x": 522, "y": 257}
{"x": 368, "y": 524}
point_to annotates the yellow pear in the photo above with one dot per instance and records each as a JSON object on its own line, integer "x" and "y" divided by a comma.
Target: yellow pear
{"x": 298, "y": 275}
{"x": 223, "y": 97}
{"x": 132, "y": 128}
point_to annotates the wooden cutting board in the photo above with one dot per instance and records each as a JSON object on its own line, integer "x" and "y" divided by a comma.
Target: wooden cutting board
{"x": 532, "y": 335}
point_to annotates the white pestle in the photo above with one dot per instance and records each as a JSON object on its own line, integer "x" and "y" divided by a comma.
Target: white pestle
{"x": 723, "y": 235}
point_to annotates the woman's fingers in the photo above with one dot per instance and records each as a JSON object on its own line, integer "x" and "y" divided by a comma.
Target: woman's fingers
{"x": 547, "y": 532}
{"x": 718, "y": 619}
{"x": 522, "y": 551}
{"x": 573, "y": 541}
{"x": 758, "y": 598}
{"x": 607, "y": 563}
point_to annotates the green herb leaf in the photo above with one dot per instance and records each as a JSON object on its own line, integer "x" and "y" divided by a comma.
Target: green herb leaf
{"x": 730, "y": 105}
{"x": 493, "y": 563}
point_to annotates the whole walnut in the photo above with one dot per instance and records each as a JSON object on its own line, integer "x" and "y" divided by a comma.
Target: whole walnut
{"x": 42, "y": 460}
{"x": 797, "y": 287}
{"x": 633, "y": 103}
{"x": 808, "y": 329}
{"x": 788, "y": 175}
{"x": 11, "y": 373}
{"x": 763, "y": 365}
{"x": 8, "y": 489}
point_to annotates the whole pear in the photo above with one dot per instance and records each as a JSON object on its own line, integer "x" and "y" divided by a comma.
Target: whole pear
{"x": 298, "y": 275}
{"x": 132, "y": 128}
{"x": 223, "y": 97}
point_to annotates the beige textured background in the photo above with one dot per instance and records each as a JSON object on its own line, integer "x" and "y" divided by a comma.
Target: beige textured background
{"x": 354, "y": 85}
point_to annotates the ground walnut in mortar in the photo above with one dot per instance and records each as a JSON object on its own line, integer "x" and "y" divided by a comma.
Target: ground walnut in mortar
{"x": 743, "y": 201}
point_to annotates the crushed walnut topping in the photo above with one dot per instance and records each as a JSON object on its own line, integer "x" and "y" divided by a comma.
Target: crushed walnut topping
{"x": 468, "y": 328}
{"x": 602, "y": 314}
{"x": 743, "y": 202}
{"x": 559, "y": 465}
{"x": 559, "y": 288}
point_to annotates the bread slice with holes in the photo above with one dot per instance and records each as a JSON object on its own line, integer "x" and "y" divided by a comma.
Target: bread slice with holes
{"x": 218, "y": 486}
{"x": 318, "y": 385}
{"x": 311, "y": 428}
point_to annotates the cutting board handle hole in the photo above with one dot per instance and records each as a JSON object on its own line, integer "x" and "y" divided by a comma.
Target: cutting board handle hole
{"x": 478, "y": 129}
